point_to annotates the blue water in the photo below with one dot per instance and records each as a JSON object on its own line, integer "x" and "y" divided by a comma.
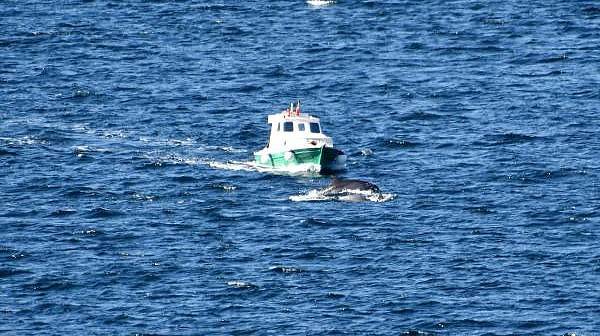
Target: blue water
{"x": 480, "y": 117}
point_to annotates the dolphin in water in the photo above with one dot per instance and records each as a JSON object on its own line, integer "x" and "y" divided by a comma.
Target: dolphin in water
{"x": 346, "y": 190}
{"x": 345, "y": 186}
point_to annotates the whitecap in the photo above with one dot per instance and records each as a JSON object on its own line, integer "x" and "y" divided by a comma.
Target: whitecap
{"x": 241, "y": 284}
{"x": 181, "y": 142}
{"x": 224, "y": 186}
{"x": 111, "y": 134}
{"x": 26, "y": 140}
{"x": 143, "y": 197}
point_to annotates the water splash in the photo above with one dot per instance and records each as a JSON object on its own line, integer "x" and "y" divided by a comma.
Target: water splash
{"x": 319, "y": 3}
{"x": 343, "y": 196}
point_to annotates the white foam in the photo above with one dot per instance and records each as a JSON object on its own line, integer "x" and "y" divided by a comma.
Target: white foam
{"x": 295, "y": 170}
{"x": 26, "y": 140}
{"x": 173, "y": 159}
{"x": 232, "y": 165}
{"x": 109, "y": 134}
{"x": 311, "y": 196}
{"x": 300, "y": 169}
{"x": 241, "y": 284}
{"x": 231, "y": 149}
{"x": 320, "y": 2}
{"x": 181, "y": 142}
{"x": 344, "y": 196}
{"x": 366, "y": 152}
{"x": 143, "y": 197}
{"x": 88, "y": 149}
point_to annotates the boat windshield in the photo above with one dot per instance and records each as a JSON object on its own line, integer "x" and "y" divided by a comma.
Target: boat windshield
{"x": 288, "y": 126}
{"x": 314, "y": 128}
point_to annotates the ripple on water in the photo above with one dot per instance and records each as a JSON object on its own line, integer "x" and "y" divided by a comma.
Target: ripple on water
{"x": 316, "y": 222}
{"x": 65, "y": 212}
{"x": 185, "y": 179}
{"x": 81, "y": 191}
{"x": 7, "y": 272}
{"x": 101, "y": 212}
{"x": 49, "y": 283}
{"x": 418, "y": 116}
{"x": 397, "y": 143}
{"x": 222, "y": 186}
{"x": 508, "y": 138}
{"x": 11, "y": 253}
{"x": 483, "y": 210}
{"x": 4, "y": 152}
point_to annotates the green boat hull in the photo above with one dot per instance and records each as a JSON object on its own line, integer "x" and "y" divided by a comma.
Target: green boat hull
{"x": 325, "y": 158}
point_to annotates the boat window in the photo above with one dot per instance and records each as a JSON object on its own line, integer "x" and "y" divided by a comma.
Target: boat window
{"x": 314, "y": 128}
{"x": 278, "y": 127}
{"x": 300, "y": 127}
{"x": 288, "y": 126}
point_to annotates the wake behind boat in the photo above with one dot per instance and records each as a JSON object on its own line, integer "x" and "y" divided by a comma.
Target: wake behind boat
{"x": 297, "y": 142}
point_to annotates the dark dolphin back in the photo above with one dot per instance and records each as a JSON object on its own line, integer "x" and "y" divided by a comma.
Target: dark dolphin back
{"x": 353, "y": 185}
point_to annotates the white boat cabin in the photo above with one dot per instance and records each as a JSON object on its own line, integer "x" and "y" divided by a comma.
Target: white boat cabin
{"x": 292, "y": 130}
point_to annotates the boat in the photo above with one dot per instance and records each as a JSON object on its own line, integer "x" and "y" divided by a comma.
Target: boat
{"x": 297, "y": 143}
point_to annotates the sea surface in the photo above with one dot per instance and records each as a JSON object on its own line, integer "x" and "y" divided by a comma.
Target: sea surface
{"x": 126, "y": 206}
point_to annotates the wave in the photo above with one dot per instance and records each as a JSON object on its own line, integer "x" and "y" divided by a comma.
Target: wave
{"x": 7, "y": 153}
{"x": 316, "y": 222}
{"x": 242, "y": 285}
{"x": 101, "y": 212}
{"x": 508, "y": 138}
{"x": 185, "y": 179}
{"x": 223, "y": 186}
{"x": 419, "y": 116}
{"x": 21, "y": 141}
{"x": 591, "y": 10}
{"x": 62, "y": 212}
{"x": 398, "y": 143}
{"x": 6, "y": 272}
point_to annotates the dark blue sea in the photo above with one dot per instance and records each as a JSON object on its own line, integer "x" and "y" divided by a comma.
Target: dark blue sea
{"x": 124, "y": 208}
